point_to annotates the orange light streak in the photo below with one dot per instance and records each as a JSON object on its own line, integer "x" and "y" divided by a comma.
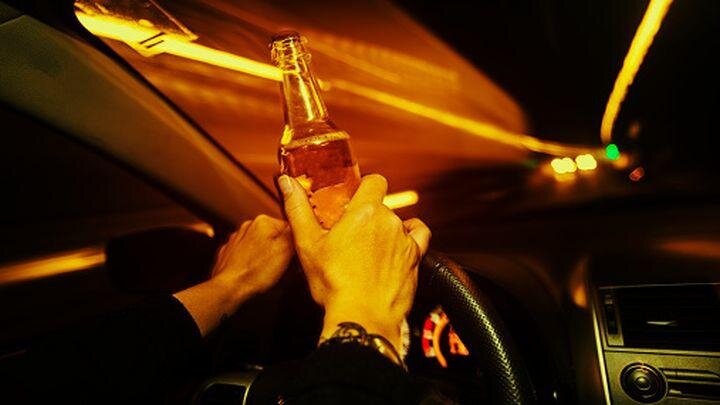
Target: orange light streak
{"x": 52, "y": 265}
{"x": 133, "y": 34}
{"x": 124, "y": 31}
{"x": 401, "y": 199}
{"x": 649, "y": 26}
{"x": 695, "y": 247}
{"x": 222, "y": 59}
{"x": 469, "y": 125}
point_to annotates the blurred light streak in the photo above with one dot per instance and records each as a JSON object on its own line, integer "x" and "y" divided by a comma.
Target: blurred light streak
{"x": 222, "y": 59}
{"x": 52, "y": 265}
{"x": 478, "y": 128}
{"x": 577, "y": 284}
{"x": 649, "y": 26}
{"x": 586, "y": 162}
{"x": 204, "y": 228}
{"x": 700, "y": 248}
{"x": 401, "y": 199}
{"x": 374, "y": 53}
{"x": 579, "y": 296}
{"x": 356, "y": 62}
{"x": 134, "y": 34}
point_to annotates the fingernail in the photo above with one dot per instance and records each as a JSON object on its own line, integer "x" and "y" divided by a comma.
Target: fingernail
{"x": 286, "y": 186}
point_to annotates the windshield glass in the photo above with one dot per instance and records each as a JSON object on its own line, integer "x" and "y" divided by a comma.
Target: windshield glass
{"x": 430, "y": 120}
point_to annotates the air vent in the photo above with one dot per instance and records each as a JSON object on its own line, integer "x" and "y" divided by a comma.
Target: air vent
{"x": 670, "y": 317}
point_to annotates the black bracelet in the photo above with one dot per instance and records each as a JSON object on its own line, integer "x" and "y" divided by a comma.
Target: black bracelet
{"x": 351, "y": 332}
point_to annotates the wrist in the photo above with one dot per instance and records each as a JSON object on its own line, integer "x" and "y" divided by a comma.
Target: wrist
{"x": 351, "y": 332}
{"x": 231, "y": 292}
{"x": 373, "y": 324}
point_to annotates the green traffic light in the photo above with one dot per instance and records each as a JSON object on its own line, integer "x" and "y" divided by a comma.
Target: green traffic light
{"x": 612, "y": 152}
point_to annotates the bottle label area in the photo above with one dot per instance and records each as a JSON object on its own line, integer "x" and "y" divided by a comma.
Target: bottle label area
{"x": 325, "y": 167}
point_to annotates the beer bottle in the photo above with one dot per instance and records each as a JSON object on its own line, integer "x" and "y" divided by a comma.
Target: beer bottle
{"x": 313, "y": 150}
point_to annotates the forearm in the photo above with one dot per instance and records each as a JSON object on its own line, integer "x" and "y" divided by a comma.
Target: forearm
{"x": 212, "y": 301}
{"x": 252, "y": 261}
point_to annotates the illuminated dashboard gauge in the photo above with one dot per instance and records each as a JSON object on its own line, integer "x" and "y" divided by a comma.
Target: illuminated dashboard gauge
{"x": 438, "y": 337}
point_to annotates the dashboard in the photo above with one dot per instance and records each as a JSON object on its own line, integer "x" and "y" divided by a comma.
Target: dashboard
{"x": 658, "y": 336}
{"x": 438, "y": 354}
{"x": 627, "y": 319}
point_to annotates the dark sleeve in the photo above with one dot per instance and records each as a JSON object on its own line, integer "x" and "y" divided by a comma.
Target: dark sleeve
{"x": 131, "y": 356}
{"x": 346, "y": 373}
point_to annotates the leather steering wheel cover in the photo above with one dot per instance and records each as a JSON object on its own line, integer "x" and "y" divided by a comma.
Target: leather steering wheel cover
{"x": 482, "y": 329}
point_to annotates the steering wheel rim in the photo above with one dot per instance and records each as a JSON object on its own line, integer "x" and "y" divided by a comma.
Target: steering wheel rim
{"x": 482, "y": 329}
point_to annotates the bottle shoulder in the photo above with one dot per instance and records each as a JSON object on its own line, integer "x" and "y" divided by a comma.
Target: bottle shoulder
{"x": 315, "y": 139}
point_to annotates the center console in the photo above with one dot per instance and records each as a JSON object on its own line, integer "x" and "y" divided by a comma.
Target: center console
{"x": 657, "y": 330}
{"x": 660, "y": 343}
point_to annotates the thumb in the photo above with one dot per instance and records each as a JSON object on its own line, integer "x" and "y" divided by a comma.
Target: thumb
{"x": 298, "y": 210}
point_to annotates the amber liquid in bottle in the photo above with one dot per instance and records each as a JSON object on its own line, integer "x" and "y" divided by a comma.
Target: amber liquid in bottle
{"x": 312, "y": 150}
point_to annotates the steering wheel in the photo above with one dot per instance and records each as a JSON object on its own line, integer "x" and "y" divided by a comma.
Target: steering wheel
{"x": 473, "y": 316}
{"x": 483, "y": 332}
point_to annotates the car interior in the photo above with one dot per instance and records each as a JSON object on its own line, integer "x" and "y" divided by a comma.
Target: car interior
{"x": 573, "y": 265}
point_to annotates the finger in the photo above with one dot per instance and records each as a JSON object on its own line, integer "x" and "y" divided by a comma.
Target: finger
{"x": 284, "y": 235}
{"x": 299, "y": 212}
{"x": 420, "y": 233}
{"x": 240, "y": 233}
{"x": 372, "y": 190}
{"x": 272, "y": 226}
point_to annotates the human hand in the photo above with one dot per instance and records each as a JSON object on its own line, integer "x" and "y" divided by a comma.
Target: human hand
{"x": 364, "y": 269}
{"x": 252, "y": 261}
{"x": 255, "y": 256}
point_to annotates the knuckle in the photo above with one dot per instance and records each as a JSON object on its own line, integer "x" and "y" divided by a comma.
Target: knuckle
{"x": 366, "y": 211}
{"x": 393, "y": 220}
{"x": 262, "y": 219}
{"x": 389, "y": 217}
{"x": 376, "y": 178}
{"x": 413, "y": 221}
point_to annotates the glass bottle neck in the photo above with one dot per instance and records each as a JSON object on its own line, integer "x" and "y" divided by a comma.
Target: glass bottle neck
{"x": 305, "y": 111}
{"x": 303, "y": 103}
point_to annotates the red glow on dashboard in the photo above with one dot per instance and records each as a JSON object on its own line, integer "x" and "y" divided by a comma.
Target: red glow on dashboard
{"x": 434, "y": 340}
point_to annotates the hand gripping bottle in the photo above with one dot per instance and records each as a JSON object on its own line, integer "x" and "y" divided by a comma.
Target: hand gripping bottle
{"x": 313, "y": 150}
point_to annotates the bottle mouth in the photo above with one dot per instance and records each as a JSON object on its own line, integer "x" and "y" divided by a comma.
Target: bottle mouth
{"x": 287, "y": 47}
{"x": 286, "y": 36}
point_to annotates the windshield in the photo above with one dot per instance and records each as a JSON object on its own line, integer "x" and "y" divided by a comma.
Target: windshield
{"x": 503, "y": 105}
